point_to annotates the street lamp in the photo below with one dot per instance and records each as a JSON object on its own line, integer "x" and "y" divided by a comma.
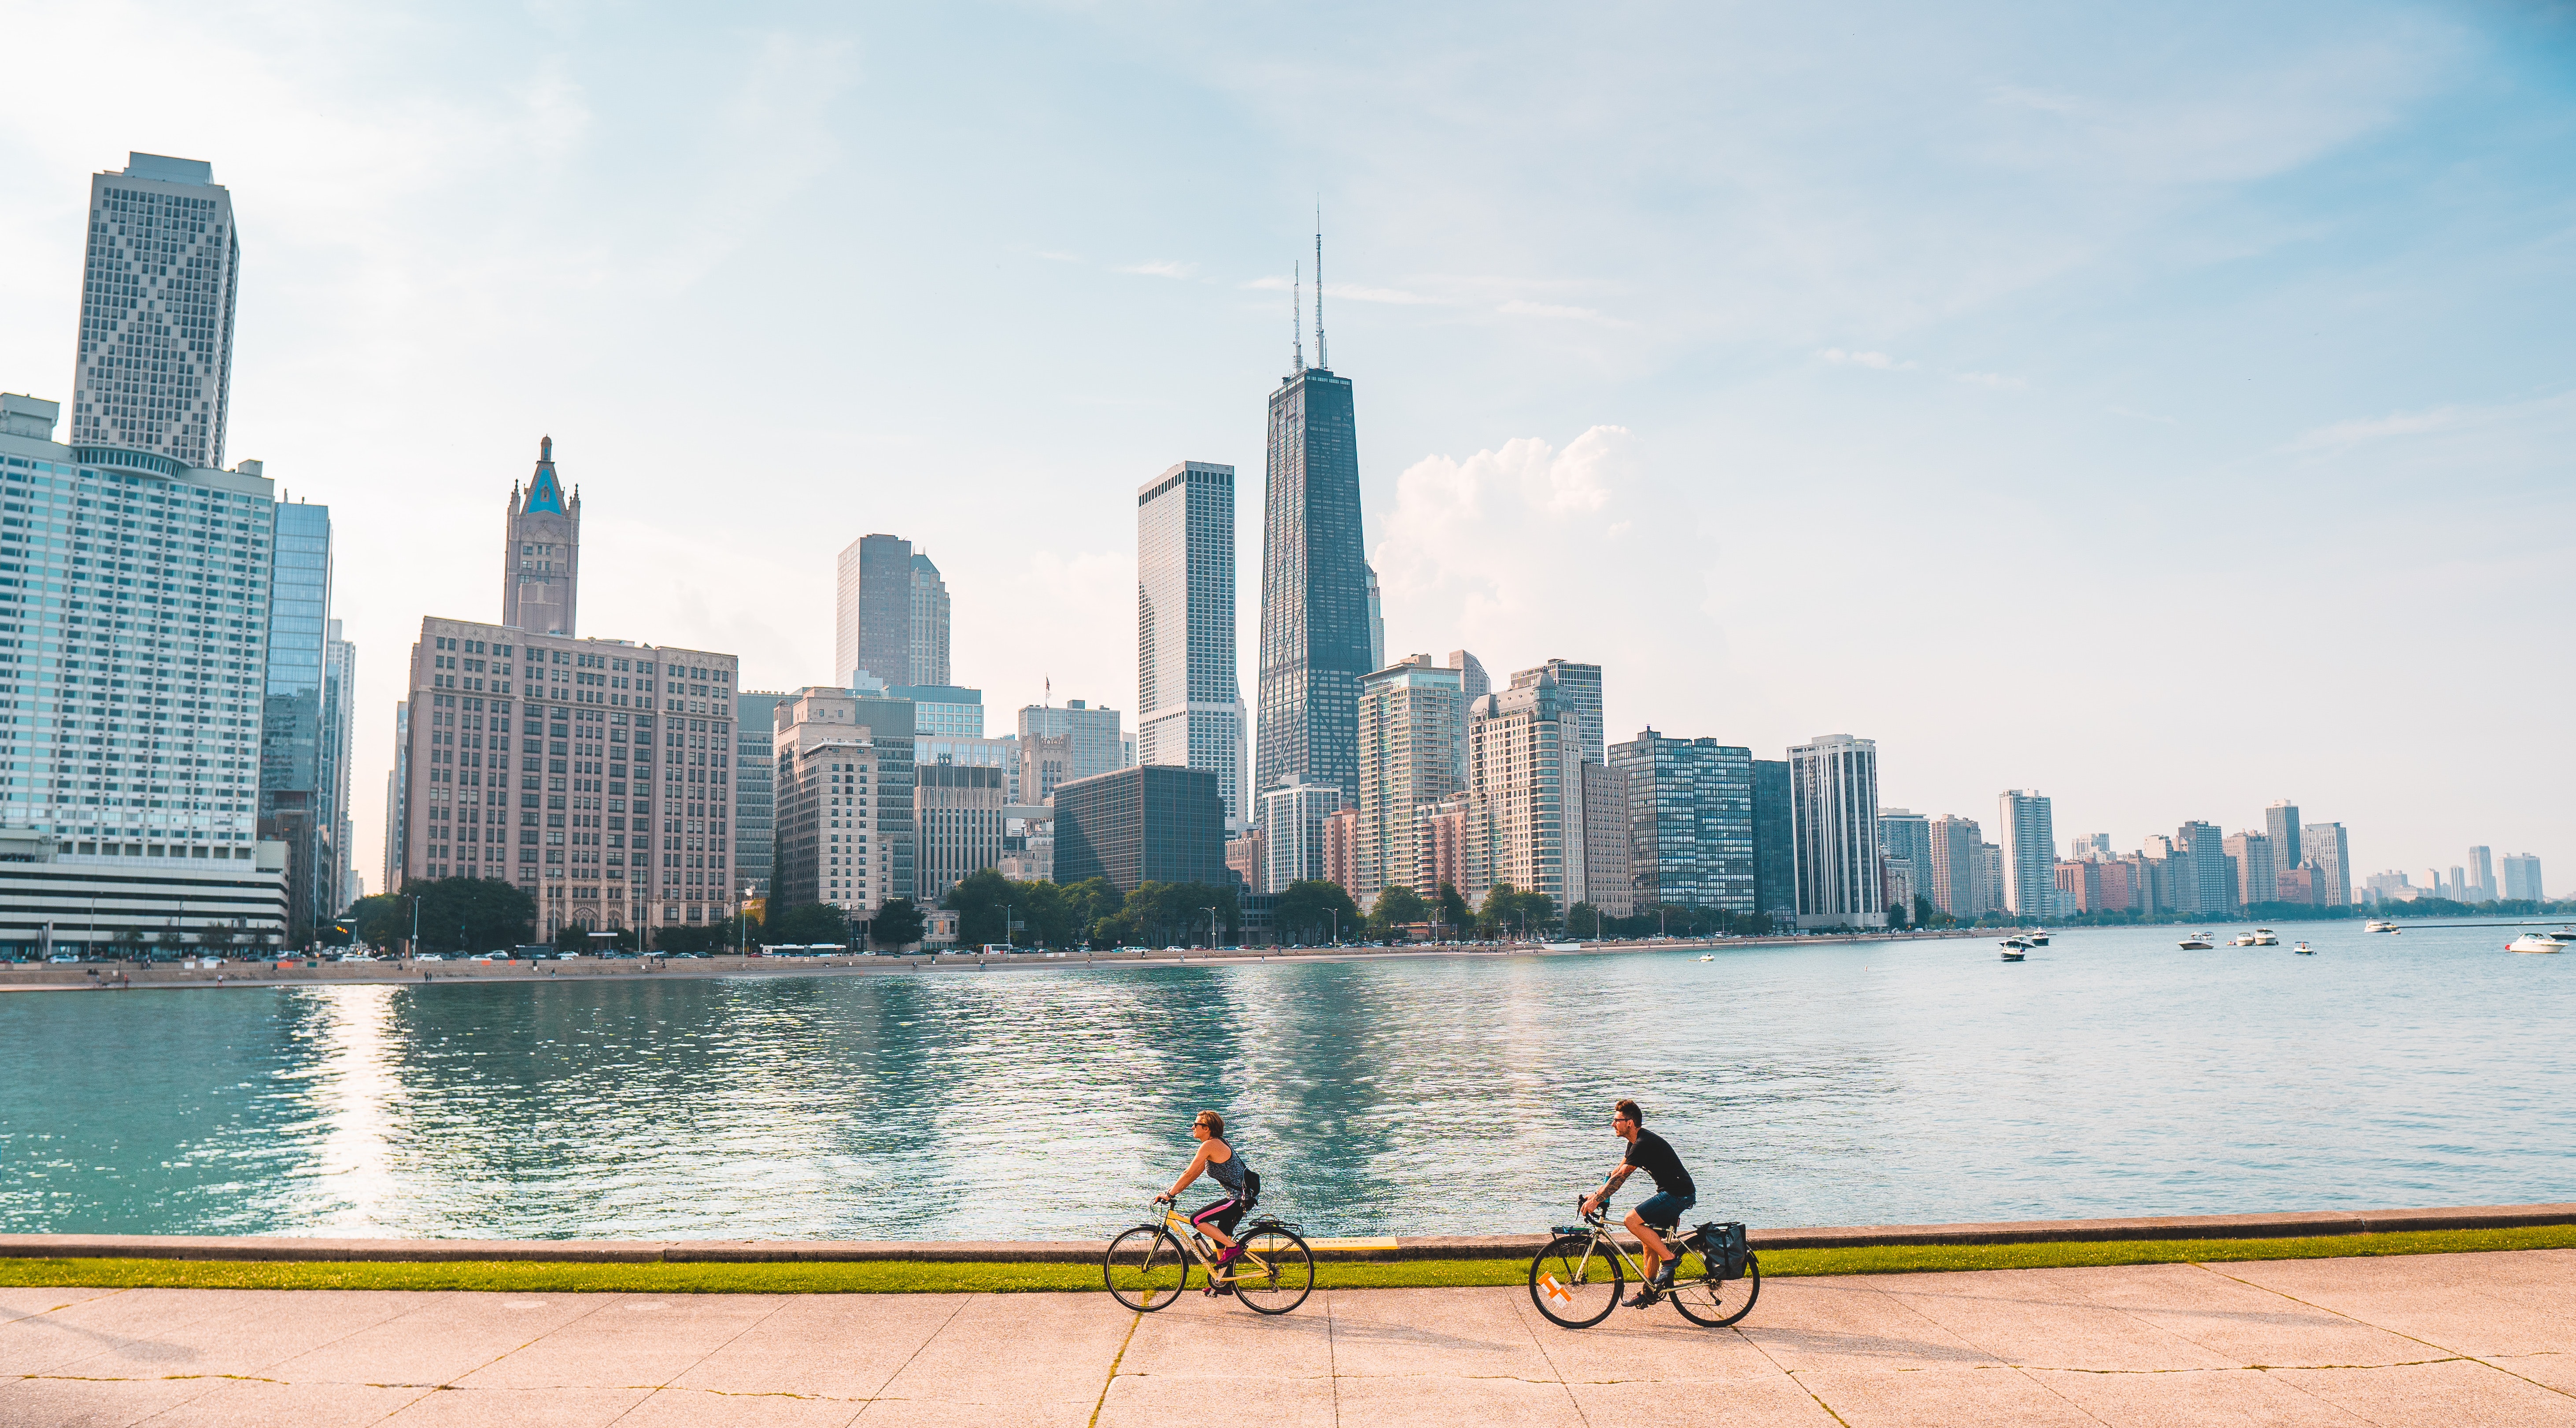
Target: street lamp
{"x": 1337, "y": 924}
{"x": 1212, "y": 937}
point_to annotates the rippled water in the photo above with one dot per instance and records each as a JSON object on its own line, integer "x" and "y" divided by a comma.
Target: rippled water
{"x": 1823, "y": 1084}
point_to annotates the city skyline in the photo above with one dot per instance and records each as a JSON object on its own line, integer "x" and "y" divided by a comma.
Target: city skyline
{"x": 1508, "y": 436}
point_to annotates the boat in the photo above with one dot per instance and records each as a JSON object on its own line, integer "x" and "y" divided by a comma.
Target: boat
{"x": 2012, "y": 956}
{"x": 1708, "y": 956}
{"x": 2197, "y": 942}
{"x": 2020, "y": 940}
{"x": 2379, "y": 927}
{"x": 2038, "y": 937}
{"x": 2242, "y": 939}
{"x": 2540, "y": 942}
{"x": 2265, "y": 937}
{"x": 2304, "y": 950}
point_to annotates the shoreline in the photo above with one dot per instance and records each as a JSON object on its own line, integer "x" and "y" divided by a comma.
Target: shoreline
{"x": 113, "y": 976}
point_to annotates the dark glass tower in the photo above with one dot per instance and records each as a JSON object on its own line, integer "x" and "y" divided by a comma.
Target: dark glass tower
{"x": 1314, "y": 587}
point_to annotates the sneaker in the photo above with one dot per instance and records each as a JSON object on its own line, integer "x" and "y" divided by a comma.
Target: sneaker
{"x": 1229, "y": 1255}
{"x": 1218, "y": 1291}
{"x": 1646, "y": 1297}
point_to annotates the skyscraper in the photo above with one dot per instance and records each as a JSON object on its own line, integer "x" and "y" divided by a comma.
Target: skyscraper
{"x": 2522, "y": 878}
{"x": 1579, "y": 686}
{"x": 1095, "y": 747}
{"x": 1525, "y": 775}
{"x": 1906, "y": 837}
{"x": 1833, "y": 803}
{"x": 2482, "y": 874}
{"x": 296, "y": 767}
{"x": 927, "y": 657}
{"x": 1689, "y": 823}
{"x": 2258, "y": 869}
{"x": 872, "y": 627}
{"x": 1410, "y": 717}
{"x": 2208, "y": 887}
{"x": 1952, "y": 883}
{"x": 156, "y": 335}
{"x": 2326, "y": 847}
{"x": 842, "y": 819}
{"x": 339, "y": 747}
{"x": 755, "y": 786}
{"x": 1775, "y": 858}
{"x": 1314, "y": 580}
{"x": 541, "y": 557}
{"x": 1376, "y": 619}
{"x": 2030, "y": 853}
{"x": 2281, "y": 824}
{"x": 1292, "y": 831}
{"x": 1189, "y": 705}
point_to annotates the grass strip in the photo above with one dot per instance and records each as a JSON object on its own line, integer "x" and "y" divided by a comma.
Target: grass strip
{"x": 915, "y": 1277}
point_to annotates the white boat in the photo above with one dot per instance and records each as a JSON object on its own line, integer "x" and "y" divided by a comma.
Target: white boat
{"x": 2379, "y": 927}
{"x": 2019, "y": 942}
{"x": 2012, "y": 956}
{"x": 2265, "y": 937}
{"x": 2197, "y": 942}
{"x": 2037, "y": 937}
{"x": 2242, "y": 939}
{"x": 2304, "y": 950}
{"x": 1708, "y": 956}
{"x": 2540, "y": 942}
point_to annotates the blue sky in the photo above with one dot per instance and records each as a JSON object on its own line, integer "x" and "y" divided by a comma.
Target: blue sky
{"x": 2168, "y": 410}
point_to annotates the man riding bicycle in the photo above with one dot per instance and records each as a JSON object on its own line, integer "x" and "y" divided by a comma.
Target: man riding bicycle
{"x": 1657, "y": 1214}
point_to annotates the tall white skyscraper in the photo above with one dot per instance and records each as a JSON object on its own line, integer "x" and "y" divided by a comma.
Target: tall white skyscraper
{"x": 1411, "y": 715}
{"x": 2324, "y": 847}
{"x": 2482, "y": 886}
{"x": 2030, "y": 853}
{"x": 929, "y": 654}
{"x": 1579, "y": 689}
{"x": 1833, "y": 810}
{"x": 156, "y": 335}
{"x": 1189, "y": 705}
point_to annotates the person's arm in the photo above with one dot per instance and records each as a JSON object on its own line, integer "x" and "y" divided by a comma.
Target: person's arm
{"x": 1197, "y": 1164}
{"x": 1602, "y": 1196}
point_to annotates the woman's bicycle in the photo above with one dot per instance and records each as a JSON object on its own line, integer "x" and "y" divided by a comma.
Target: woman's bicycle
{"x": 1148, "y": 1267}
{"x": 1577, "y": 1280}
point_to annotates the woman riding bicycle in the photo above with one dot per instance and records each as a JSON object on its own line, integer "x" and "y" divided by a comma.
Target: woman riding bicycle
{"x": 1218, "y": 1162}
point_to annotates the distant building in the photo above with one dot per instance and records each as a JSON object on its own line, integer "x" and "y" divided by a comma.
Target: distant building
{"x": 958, "y": 816}
{"x": 2482, "y": 883}
{"x": 2093, "y": 885}
{"x": 2324, "y": 847}
{"x": 1341, "y": 849}
{"x": 1953, "y": 885}
{"x": 1154, "y": 823}
{"x": 1990, "y": 877}
{"x": 2029, "y": 839}
{"x": 1906, "y": 837}
{"x": 1046, "y": 761}
{"x": 1189, "y": 703}
{"x": 2089, "y": 845}
{"x": 1690, "y": 823}
{"x": 755, "y": 764}
{"x": 843, "y": 800}
{"x": 397, "y": 787}
{"x": 939, "y": 709}
{"x": 1775, "y": 860}
{"x": 1833, "y": 806}
{"x": 1314, "y": 584}
{"x": 927, "y": 657}
{"x": 339, "y": 761}
{"x": 1095, "y": 746}
{"x": 2522, "y": 879}
{"x": 1524, "y": 777}
{"x": 1410, "y": 720}
{"x": 1245, "y": 858}
{"x": 1444, "y": 828}
{"x": 1028, "y": 844}
{"x": 115, "y": 897}
{"x": 1292, "y": 829}
{"x": 541, "y": 553}
{"x": 1608, "y": 858}
{"x": 2281, "y": 825}
{"x": 2257, "y": 872}
{"x": 156, "y": 335}
{"x": 1579, "y": 689}
{"x": 872, "y": 630}
{"x": 1376, "y": 619}
{"x": 2206, "y": 884}
{"x": 298, "y": 757}
{"x": 966, "y": 750}
{"x": 2296, "y": 885}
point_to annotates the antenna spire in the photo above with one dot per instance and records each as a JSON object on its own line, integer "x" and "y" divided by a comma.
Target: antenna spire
{"x": 1321, "y": 358}
{"x": 1297, "y": 311}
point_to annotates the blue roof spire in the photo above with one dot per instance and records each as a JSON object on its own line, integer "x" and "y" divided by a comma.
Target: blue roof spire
{"x": 545, "y": 493}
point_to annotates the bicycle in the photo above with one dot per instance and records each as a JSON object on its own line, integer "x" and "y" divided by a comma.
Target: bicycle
{"x": 1148, "y": 1267}
{"x": 1578, "y": 1279}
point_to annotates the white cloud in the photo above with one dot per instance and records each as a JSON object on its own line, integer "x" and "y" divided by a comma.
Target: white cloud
{"x": 1879, "y": 360}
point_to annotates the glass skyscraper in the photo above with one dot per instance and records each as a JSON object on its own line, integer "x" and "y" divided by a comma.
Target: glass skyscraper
{"x": 1314, "y": 587}
{"x": 296, "y": 765}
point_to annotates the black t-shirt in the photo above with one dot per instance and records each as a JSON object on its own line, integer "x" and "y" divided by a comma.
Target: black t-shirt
{"x": 1653, "y": 1154}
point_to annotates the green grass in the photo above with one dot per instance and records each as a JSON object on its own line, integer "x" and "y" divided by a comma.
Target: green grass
{"x": 913, "y": 1277}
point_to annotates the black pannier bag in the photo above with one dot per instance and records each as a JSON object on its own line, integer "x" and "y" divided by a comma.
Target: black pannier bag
{"x": 1251, "y": 1187}
{"x": 1723, "y": 1245}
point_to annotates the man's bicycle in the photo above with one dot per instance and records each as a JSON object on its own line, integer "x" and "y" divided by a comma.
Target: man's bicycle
{"x": 1578, "y": 1279}
{"x": 1148, "y": 1267}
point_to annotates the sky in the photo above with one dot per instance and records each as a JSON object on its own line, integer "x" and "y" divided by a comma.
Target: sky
{"x": 2166, "y": 409}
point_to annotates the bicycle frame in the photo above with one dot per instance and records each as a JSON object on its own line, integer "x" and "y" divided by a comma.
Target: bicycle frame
{"x": 1195, "y": 1243}
{"x": 1680, "y": 1242}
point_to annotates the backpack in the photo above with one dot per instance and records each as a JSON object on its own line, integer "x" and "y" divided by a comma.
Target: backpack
{"x": 1251, "y": 1187}
{"x": 1722, "y": 1247}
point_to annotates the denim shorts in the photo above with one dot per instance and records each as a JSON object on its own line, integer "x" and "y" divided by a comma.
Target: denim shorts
{"x": 1663, "y": 1210}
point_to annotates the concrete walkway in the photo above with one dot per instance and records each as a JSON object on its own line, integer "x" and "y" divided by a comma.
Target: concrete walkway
{"x": 2449, "y": 1339}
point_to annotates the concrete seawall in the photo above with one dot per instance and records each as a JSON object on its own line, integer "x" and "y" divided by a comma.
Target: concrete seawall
{"x": 282, "y": 1248}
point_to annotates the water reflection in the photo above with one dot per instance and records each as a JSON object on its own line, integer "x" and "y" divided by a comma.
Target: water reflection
{"x": 1810, "y": 1085}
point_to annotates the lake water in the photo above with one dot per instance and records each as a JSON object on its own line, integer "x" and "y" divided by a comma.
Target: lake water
{"x": 1833, "y": 1083}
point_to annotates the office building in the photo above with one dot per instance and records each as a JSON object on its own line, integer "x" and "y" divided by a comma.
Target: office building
{"x": 872, "y": 623}
{"x": 755, "y": 790}
{"x": 1028, "y": 844}
{"x": 1906, "y": 837}
{"x": 1524, "y": 773}
{"x": 2030, "y": 853}
{"x": 1189, "y": 704}
{"x": 2482, "y": 884}
{"x": 1775, "y": 856}
{"x": 926, "y": 658}
{"x": 1292, "y": 831}
{"x": 843, "y": 799}
{"x": 339, "y": 760}
{"x": 297, "y": 766}
{"x": 397, "y": 789}
{"x": 961, "y": 749}
{"x": 1246, "y": 858}
{"x": 116, "y": 900}
{"x": 1609, "y": 859}
{"x": 541, "y": 552}
{"x": 1990, "y": 877}
{"x": 958, "y": 816}
{"x": 2258, "y": 874}
{"x": 1833, "y": 806}
{"x": 156, "y": 320}
{"x": 1341, "y": 842}
{"x": 2207, "y": 883}
{"x": 1952, "y": 883}
{"x": 2324, "y": 847}
{"x": 2522, "y": 879}
{"x": 1578, "y": 687}
{"x": 2091, "y": 845}
{"x": 1314, "y": 581}
{"x": 1412, "y": 718}
{"x": 1690, "y": 823}
{"x": 2297, "y": 886}
{"x": 2281, "y": 825}
{"x": 1093, "y": 745}
{"x": 1045, "y": 761}
{"x": 1376, "y": 619}
{"x": 939, "y": 708}
{"x": 1156, "y": 823}
{"x": 144, "y": 583}
{"x": 1472, "y": 679}
{"x": 595, "y": 774}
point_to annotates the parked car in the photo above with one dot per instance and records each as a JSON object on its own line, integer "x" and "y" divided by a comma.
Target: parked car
{"x": 431, "y": 957}
{"x": 64, "y": 957}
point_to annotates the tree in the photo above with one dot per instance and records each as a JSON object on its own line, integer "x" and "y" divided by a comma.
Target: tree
{"x": 1092, "y": 908}
{"x": 1895, "y": 917}
{"x": 216, "y": 936}
{"x": 898, "y": 924}
{"x": 1585, "y": 920}
{"x": 473, "y": 914}
{"x": 1455, "y": 911}
{"x": 983, "y": 902}
{"x": 382, "y": 920}
{"x": 805, "y": 925}
{"x": 172, "y": 942}
{"x": 1923, "y": 911}
{"x": 1316, "y": 909}
{"x": 1507, "y": 908}
{"x": 1397, "y": 906}
{"x": 130, "y": 943}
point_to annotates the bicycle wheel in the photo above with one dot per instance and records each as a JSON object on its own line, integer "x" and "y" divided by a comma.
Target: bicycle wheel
{"x": 1706, "y": 1299}
{"x": 1276, "y": 1272}
{"x": 1575, "y": 1284}
{"x": 1145, "y": 1268}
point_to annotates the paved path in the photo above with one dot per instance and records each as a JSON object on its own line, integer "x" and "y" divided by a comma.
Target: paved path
{"x": 2448, "y": 1339}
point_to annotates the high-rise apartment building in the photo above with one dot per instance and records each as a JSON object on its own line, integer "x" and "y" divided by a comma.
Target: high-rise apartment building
{"x": 2030, "y": 853}
{"x": 339, "y": 760}
{"x": 297, "y": 766}
{"x": 145, "y": 584}
{"x": 2522, "y": 879}
{"x": 1609, "y": 859}
{"x": 2281, "y": 825}
{"x": 1579, "y": 689}
{"x": 927, "y": 657}
{"x": 1472, "y": 678}
{"x": 1093, "y": 744}
{"x": 1833, "y": 802}
{"x": 1411, "y": 721}
{"x": 1952, "y": 884}
{"x": 1690, "y": 823}
{"x": 2325, "y": 847}
{"x": 1775, "y": 857}
{"x": 1990, "y": 876}
{"x": 1189, "y": 704}
{"x": 398, "y": 789}
{"x": 872, "y": 624}
{"x": 958, "y": 812}
{"x": 2206, "y": 883}
{"x": 755, "y": 791}
{"x": 595, "y": 774}
{"x": 1292, "y": 831}
{"x": 843, "y": 824}
{"x": 1314, "y": 582}
{"x": 156, "y": 327}
{"x": 1905, "y": 838}
{"x": 2258, "y": 871}
{"x": 1525, "y": 775}
{"x": 1341, "y": 842}
{"x": 541, "y": 553}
